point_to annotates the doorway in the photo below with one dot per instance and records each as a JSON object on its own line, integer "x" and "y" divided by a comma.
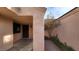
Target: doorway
{"x": 25, "y": 31}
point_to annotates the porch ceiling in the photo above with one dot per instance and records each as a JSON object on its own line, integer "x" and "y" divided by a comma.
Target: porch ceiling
{"x": 5, "y": 12}
{"x": 24, "y": 20}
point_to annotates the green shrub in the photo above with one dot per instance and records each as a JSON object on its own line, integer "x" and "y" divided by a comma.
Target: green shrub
{"x": 62, "y": 46}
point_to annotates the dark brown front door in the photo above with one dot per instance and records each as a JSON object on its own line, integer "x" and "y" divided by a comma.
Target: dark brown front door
{"x": 25, "y": 30}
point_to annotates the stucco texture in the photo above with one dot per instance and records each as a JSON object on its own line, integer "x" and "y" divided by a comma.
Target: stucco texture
{"x": 6, "y": 34}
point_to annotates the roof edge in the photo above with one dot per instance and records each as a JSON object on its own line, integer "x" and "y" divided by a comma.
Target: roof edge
{"x": 74, "y": 10}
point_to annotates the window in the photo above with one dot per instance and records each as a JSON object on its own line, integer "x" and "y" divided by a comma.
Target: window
{"x": 16, "y": 28}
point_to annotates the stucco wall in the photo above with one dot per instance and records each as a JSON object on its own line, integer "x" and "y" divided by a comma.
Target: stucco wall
{"x": 6, "y": 34}
{"x": 17, "y": 37}
{"x": 31, "y": 32}
{"x": 68, "y": 31}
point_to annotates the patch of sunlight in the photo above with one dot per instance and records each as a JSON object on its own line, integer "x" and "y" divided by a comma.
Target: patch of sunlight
{"x": 7, "y": 38}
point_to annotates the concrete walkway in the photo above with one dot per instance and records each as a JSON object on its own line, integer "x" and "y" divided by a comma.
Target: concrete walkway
{"x": 50, "y": 46}
{"x": 27, "y": 45}
{"x": 22, "y": 45}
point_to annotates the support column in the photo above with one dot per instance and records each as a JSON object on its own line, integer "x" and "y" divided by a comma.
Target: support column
{"x": 38, "y": 33}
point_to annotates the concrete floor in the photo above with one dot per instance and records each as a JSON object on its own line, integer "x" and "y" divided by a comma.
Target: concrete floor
{"x": 50, "y": 46}
{"x": 22, "y": 45}
{"x": 27, "y": 45}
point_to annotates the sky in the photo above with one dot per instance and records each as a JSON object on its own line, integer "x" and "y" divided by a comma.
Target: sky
{"x": 57, "y": 12}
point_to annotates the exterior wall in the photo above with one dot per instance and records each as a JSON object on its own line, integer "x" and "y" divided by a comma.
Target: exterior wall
{"x": 6, "y": 34}
{"x": 17, "y": 37}
{"x": 38, "y": 26}
{"x": 68, "y": 31}
{"x": 31, "y": 32}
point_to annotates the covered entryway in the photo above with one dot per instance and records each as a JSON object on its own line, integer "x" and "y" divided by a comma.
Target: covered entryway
{"x": 31, "y": 16}
{"x": 22, "y": 30}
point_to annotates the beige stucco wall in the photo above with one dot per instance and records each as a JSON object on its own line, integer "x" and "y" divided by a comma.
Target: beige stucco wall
{"x": 68, "y": 31}
{"x": 38, "y": 25}
{"x": 6, "y": 34}
{"x": 31, "y": 32}
{"x": 17, "y": 37}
